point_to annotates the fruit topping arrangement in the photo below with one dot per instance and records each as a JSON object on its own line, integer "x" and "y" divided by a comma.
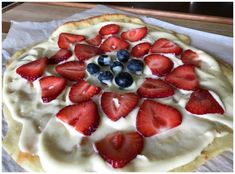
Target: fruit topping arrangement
{"x": 112, "y": 60}
{"x": 119, "y": 68}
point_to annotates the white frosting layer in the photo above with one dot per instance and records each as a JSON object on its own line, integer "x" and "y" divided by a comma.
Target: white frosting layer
{"x": 62, "y": 149}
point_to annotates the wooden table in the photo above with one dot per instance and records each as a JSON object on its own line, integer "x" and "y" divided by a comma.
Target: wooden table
{"x": 42, "y": 12}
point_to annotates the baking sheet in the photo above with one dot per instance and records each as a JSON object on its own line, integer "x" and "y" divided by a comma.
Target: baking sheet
{"x": 23, "y": 34}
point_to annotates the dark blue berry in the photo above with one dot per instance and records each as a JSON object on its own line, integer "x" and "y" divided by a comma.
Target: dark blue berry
{"x": 104, "y": 60}
{"x": 105, "y": 77}
{"x": 123, "y": 55}
{"x": 135, "y": 66}
{"x": 124, "y": 79}
{"x": 92, "y": 68}
{"x": 117, "y": 67}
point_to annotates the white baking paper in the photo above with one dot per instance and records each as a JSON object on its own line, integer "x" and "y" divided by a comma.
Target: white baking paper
{"x": 23, "y": 34}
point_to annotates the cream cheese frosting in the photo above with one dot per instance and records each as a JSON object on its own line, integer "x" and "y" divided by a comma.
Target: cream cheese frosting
{"x": 61, "y": 148}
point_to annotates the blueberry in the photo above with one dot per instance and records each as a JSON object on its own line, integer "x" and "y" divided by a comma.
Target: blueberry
{"x": 104, "y": 60}
{"x": 135, "y": 66}
{"x": 92, "y": 68}
{"x": 117, "y": 67}
{"x": 123, "y": 55}
{"x": 124, "y": 79}
{"x": 105, "y": 77}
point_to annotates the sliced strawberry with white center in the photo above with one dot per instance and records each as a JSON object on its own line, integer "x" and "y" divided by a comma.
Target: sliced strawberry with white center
{"x": 117, "y": 105}
{"x": 183, "y": 77}
{"x": 134, "y": 35}
{"x": 202, "y": 102}
{"x": 159, "y": 65}
{"x": 84, "y": 117}
{"x": 155, "y": 88}
{"x": 165, "y": 46}
{"x": 114, "y": 43}
{"x": 65, "y": 39}
{"x": 51, "y": 87}
{"x": 84, "y": 52}
{"x": 72, "y": 70}
{"x": 96, "y": 41}
{"x": 109, "y": 29}
{"x": 154, "y": 118}
{"x": 140, "y": 50}
{"x": 32, "y": 70}
{"x": 82, "y": 91}
{"x": 119, "y": 148}
{"x": 61, "y": 55}
{"x": 190, "y": 57}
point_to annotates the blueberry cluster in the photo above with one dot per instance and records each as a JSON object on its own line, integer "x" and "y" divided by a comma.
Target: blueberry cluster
{"x": 122, "y": 79}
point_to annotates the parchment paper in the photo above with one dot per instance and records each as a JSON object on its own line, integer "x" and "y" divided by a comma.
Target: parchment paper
{"x": 23, "y": 34}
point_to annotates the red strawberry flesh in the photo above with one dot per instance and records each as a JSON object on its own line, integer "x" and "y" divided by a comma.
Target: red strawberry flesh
{"x": 72, "y": 70}
{"x": 154, "y": 118}
{"x": 51, "y": 87}
{"x": 109, "y": 29}
{"x": 190, "y": 57}
{"x": 202, "y": 102}
{"x": 95, "y": 41}
{"x": 165, "y": 46}
{"x": 126, "y": 103}
{"x": 155, "y": 88}
{"x": 159, "y": 65}
{"x": 140, "y": 50}
{"x": 183, "y": 77}
{"x": 82, "y": 91}
{"x": 119, "y": 148}
{"x": 84, "y": 52}
{"x": 84, "y": 117}
{"x": 61, "y": 55}
{"x": 33, "y": 70}
{"x": 65, "y": 39}
{"x": 114, "y": 43}
{"x": 135, "y": 34}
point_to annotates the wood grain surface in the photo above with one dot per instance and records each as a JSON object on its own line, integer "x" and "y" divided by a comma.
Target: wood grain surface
{"x": 43, "y": 12}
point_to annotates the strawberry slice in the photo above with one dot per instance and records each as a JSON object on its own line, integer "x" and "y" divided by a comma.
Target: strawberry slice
{"x": 140, "y": 50}
{"x": 117, "y": 105}
{"x": 84, "y": 117}
{"x": 109, "y": 29}
{"x": 114, "y": 43}
{"x": 165, "y": 46}
{"x": 72, "y": 70}
{"x": 134, "y": 35}
{"x": 60, "y": 56}
{"x": 159, "y": 65}
{"x": 95, "y": 41}
{"x": 119, "y": 148}
{"x": 202, "y": 102}
{"x": 65, "y": 39}
{"x": 190, "y": 57}
{"x": 183, "y": 77}
{"x": 32, "y": 70}
{"x": 155, "y": 88}
{"x": 154, "y": 118}
{"x": 84, "y": 52}
{"x": 51, "y": 87}
{"x": 82, "y": 91}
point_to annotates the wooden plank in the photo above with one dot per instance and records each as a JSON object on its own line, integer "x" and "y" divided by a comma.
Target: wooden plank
{"x": 159, "y": 13}
{"x": 5, "y": 27}
{"x": 42, "y": 12}
{"x": 38, "y": 12}
{"x": 13, "y": 5}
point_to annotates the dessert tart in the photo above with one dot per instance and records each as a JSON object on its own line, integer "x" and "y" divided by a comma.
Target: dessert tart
{"x": 112, "y": 93}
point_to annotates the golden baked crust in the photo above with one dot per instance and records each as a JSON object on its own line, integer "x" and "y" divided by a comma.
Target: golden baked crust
{"x": 32, "y": 162}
